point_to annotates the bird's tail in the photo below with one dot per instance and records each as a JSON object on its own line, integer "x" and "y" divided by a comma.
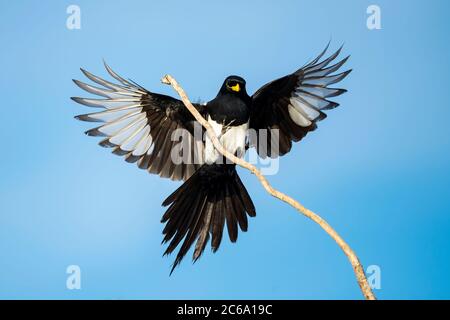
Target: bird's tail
{"x": 213, "y": 195}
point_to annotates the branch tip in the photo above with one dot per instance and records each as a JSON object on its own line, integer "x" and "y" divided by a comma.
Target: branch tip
{"x": 166, "y": 79}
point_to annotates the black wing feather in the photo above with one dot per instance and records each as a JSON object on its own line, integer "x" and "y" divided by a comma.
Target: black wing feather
{"x": 292, "y": 105}
{"x": 138, "y": 124}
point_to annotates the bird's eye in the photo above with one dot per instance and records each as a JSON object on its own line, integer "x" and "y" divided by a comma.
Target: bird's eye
{"x": 233, "y": 85}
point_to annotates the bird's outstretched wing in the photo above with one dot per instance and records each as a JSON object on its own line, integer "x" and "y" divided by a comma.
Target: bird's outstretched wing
{"x": 139, "y": 124}
{"x": 293, "y": 104}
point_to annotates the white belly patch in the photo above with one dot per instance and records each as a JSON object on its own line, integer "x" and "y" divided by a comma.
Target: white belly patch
{"x": 232, "y": 138}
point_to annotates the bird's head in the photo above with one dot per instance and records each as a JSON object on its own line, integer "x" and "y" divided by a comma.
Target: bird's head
{"x": 234, "y": 85}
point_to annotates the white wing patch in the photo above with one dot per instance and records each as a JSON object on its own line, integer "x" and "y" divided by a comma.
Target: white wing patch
{"x": 297, "y": 116}
{"x": 309, "y": 98}
{"x": 136, "y": 125}
{"x": 125, "y": 123}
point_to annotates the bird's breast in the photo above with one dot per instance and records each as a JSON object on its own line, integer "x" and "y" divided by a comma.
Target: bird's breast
{"x": 229, "y": 110}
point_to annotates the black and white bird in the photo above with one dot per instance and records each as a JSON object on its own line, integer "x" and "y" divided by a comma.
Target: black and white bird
{"x": 139, "y": 125}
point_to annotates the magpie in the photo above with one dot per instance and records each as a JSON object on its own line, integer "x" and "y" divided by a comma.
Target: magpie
{"x": 139, "y": 125}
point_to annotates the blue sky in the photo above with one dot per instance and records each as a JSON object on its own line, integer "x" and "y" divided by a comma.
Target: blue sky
{"x": 376, "y": 169}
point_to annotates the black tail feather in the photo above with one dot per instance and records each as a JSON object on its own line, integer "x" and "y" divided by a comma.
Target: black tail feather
{"x": 218, "y": 224}
{"x": 200, "y": 207}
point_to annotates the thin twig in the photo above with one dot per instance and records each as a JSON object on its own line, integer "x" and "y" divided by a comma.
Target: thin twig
{"x": 357, "y": 267}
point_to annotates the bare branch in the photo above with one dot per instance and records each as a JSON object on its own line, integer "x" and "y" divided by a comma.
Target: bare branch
{"x": 357, "y": 267}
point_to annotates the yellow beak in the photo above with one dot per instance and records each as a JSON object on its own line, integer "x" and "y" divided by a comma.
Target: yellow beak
{"x": 236, "y": 87}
